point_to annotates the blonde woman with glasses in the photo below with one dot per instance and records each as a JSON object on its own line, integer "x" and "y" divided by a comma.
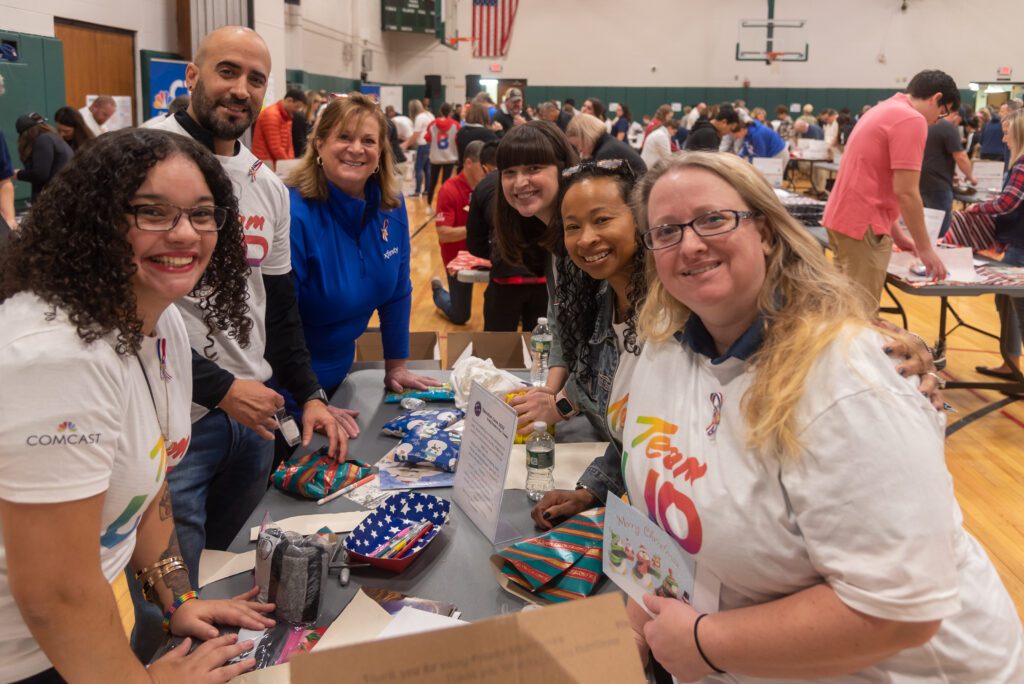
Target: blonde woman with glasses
{"x": 767, "y": 432}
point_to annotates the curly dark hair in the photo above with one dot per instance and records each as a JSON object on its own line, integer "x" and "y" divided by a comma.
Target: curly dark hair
{"x": 577, "y": 292}
{"x": 73, "y": 252}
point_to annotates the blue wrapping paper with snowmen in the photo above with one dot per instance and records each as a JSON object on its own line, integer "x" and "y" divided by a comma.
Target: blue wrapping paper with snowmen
{"x": 441, "y": 450}
{"x": 422, "y": 422}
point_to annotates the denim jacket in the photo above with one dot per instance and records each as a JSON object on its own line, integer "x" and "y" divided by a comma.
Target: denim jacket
{"x": 605, "y": 473}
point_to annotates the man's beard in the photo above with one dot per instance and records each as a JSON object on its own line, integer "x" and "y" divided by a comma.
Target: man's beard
{"x": 222, "y": 128}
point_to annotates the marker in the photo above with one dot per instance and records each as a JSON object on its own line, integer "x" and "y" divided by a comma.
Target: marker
{"x": 383, "y": 547}
{"x": 345, "y": 490}
{"x": 406, "y": 544}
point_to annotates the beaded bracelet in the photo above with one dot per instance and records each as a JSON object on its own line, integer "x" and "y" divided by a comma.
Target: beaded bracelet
{"x": 700, "y": 650}
{"x": 174, "y": 606}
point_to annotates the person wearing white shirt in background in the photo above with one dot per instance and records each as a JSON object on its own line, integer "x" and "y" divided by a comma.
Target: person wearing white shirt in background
{"x": 767, "y": 433}
{"x": 98, "y": 113}
{"x": 658, "y": 145}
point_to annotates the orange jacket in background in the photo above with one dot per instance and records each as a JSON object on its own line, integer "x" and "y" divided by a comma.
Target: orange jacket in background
{"x": 272, "y": 135}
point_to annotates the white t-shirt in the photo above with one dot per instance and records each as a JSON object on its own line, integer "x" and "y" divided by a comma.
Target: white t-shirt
{"x": 658, "y": 146}
{"x": 403, "y": 126}
{"x": 868, "y": 506}
{"x": 423, "y": 120}
{"x": 263, "y": 205}
{"x": 79, "y": 420}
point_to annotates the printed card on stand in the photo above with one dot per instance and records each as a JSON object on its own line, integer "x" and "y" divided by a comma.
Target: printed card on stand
{"x": 641, "y": 558}
{"x": 483, "y": 464}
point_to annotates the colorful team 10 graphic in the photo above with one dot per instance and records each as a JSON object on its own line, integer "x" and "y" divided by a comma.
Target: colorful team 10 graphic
{"x": 124, "y": 525}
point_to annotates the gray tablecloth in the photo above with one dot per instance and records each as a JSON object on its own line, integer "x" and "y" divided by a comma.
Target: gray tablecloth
{"x": 454, "y": 567}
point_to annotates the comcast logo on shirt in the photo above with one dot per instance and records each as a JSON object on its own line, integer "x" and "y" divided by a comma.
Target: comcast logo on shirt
{"x": 67, "y": 433}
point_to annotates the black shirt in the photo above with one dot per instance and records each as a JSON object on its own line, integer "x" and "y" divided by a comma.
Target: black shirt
{"x": 703, "y": 136}
{"x": 610, "y": 147}
{"x": 937, "y": 167}
{"x": 467, "y": 134}
{"x": 49, "y": 155}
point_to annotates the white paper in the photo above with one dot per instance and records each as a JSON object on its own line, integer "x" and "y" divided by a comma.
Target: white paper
{"x": 571, "y": 459}
{"x": 646, "y": 559}
{"x": 677, "y": 107}
{"x": 772, "y": 168}
{"x": 933, "y": 219}
{"x": 989, "y": 174}
{"x": 414, "y": 621}
{"x": 483, "y": 460}
{"x": 216, "y": 565}
{"x": 308, "y": 524}
{"x": 362, "y": 620}
{"x": 959, "y": 264}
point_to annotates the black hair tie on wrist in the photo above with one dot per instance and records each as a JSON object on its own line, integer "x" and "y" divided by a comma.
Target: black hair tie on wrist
{"x": 700, "y": 650}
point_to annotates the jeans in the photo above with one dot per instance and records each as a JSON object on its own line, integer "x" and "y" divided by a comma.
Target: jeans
{"x": 943, "y": 201}
{"x": 217, "y": 485}
{"x": 422, "y": 167}
{"x": 456, "y": 302}
{"x": 1011, "y": 309}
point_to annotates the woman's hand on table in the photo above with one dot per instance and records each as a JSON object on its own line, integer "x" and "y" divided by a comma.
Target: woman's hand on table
{"x": 346, "y": 420}
{"x": 205, "y": 664}
{"x": 670, "y": 637}
{"x": 398, "y": 378}
{"x": 316, "y": 416}
{"x": 561, "y": 504}
{"x": 196, "y": 618}
{"x": 638, "y": 618}
{"x": 917, "y": 360}
{"x": 537, "y": 404}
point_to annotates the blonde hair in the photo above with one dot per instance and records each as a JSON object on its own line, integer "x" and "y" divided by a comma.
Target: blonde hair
{"x": 585, "y": 127}
{"x": 308, "y": 177}
{"x": 804, "y": 302}
{"x": 1015, "y": 131}
{"x": 415, "y": 109}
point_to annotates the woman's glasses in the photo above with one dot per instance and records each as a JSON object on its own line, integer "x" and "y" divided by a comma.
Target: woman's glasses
{"x": 164, "y": 217}
{"x": 619, "y": 167}
{"x": 706, "y": 225}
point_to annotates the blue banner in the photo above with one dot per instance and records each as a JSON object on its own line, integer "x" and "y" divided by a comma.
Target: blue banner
{"x": 166, "y": 82}
{"x": 371, "y": 90}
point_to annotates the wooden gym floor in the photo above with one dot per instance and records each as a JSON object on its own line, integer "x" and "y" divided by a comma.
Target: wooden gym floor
{"x": 986, "y": 457}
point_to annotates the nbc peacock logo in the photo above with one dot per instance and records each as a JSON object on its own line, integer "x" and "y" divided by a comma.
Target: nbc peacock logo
{"x": 66, "y": 434}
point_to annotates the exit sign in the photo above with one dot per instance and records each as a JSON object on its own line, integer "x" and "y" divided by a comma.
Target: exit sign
{"x": 496, "y": 67}
{"x": 1004, "y": 73}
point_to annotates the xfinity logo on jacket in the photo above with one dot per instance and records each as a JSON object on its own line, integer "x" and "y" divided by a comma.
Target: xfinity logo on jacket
{"x": 391, "y": 252}
{"x": 67, "y": 433}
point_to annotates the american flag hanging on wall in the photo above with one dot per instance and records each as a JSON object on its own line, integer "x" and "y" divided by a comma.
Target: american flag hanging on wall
{"x": 492, "y": 26}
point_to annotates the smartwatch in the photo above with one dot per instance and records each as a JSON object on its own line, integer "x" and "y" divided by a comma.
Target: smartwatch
{"x": 566, "y": 409}
{"x": 319, "y": 394}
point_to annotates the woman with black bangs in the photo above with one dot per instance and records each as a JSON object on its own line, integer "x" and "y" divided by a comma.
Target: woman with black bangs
{"x": 95, "y": 366}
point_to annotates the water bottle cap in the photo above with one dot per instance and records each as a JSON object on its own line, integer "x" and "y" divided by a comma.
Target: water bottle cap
{"x": 539, "y": 426}
{"x": 542, "y": 321}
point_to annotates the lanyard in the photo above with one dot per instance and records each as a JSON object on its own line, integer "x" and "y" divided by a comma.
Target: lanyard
{"x": 161, "y": 353}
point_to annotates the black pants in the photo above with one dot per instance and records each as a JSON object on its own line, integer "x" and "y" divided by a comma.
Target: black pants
{"x": 437, "y": 171}
{"x": 990, "y": 156}
{"x": 506, "y": 306}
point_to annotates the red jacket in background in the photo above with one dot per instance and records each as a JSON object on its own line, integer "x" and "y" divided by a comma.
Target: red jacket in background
{"x": 272, "y": 135}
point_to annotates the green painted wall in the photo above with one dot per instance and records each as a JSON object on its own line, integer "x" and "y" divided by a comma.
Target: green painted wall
{"x": 310, "y": 81}
{"x": 35, "y": 83}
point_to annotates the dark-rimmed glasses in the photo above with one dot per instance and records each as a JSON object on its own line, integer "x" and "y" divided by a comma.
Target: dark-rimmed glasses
{"x": 617, "y": 166}
{"x": 160, "y": 218}
{"x": 706, "y": 225}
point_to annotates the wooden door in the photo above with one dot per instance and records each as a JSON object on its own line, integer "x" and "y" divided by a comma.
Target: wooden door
{"x": 98, "y": 60}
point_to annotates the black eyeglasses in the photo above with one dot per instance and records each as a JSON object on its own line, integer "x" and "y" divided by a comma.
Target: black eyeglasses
{"x": 619, "y": 167}
{"x": 164, "y": 217}
{"x": 706, "y": 225}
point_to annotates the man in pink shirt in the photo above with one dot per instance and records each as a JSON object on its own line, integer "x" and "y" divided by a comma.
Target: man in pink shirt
{"x": 879, "y": 181}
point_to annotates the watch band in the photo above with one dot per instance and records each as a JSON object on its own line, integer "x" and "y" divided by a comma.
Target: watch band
{"x": 564, "y": 406}
{"x": 319, "y": 394}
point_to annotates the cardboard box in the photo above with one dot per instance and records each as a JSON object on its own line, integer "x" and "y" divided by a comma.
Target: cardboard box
{"x": 577, "y": 641}
{"x": 509, "y": 350}
{"x": 422, "y": 346}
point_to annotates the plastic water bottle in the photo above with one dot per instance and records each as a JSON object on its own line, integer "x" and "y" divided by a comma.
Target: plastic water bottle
{"x": 540, "y": 462}
{"x": 540, "y": 350}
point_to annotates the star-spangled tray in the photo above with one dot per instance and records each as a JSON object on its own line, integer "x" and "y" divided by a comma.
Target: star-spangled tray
{"x": 388, "y": 519}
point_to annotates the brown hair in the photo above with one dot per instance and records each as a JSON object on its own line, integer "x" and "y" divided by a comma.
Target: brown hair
{"x": 478, "y": 114}
{"x": 27, "y": 139}
{"x": 308, "y": 177}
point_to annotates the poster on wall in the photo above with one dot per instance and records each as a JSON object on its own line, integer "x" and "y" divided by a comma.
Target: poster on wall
{"x": 166, "y": 82}
{"x": 122, "y": 117}
{"x": 371, "y": 90}
{"x": 391, "y": 95}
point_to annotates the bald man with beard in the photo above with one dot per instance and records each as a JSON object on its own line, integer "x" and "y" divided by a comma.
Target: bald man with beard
{"x": 224, "y": 474}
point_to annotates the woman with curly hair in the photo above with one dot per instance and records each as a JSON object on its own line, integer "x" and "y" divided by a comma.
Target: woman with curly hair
{"x": 768, "y": 435}
{"x": 95, "y": 367}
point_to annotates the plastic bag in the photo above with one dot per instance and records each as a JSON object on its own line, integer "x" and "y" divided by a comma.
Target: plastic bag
{"x": 422, "y": 423}
{"x": 483, "y": 371}
{"x": 315, "y": 475}
{"x": 442, "y": 393}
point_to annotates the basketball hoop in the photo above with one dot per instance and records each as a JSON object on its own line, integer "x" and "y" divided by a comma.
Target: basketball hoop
{"x": 771, "y": 57}
{"x": 455, "y": 40}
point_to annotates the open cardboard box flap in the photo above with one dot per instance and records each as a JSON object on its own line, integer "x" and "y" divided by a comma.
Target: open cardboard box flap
{"x": 509, "y": 350}
{"x": 578, "y": 641}
{"x": 423, "y": 346}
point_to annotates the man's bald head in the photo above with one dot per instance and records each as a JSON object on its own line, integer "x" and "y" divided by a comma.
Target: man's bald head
{"x": 226, "y": 36}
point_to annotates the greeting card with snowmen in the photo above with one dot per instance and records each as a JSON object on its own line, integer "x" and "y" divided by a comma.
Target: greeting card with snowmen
{"x": 641, "y": 558}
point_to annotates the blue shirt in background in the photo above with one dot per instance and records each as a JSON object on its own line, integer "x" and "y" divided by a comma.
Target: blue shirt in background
{"x": 761, "y": 141}
{"x": 6, "y": 168}
{"x": 350, "y": 258}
